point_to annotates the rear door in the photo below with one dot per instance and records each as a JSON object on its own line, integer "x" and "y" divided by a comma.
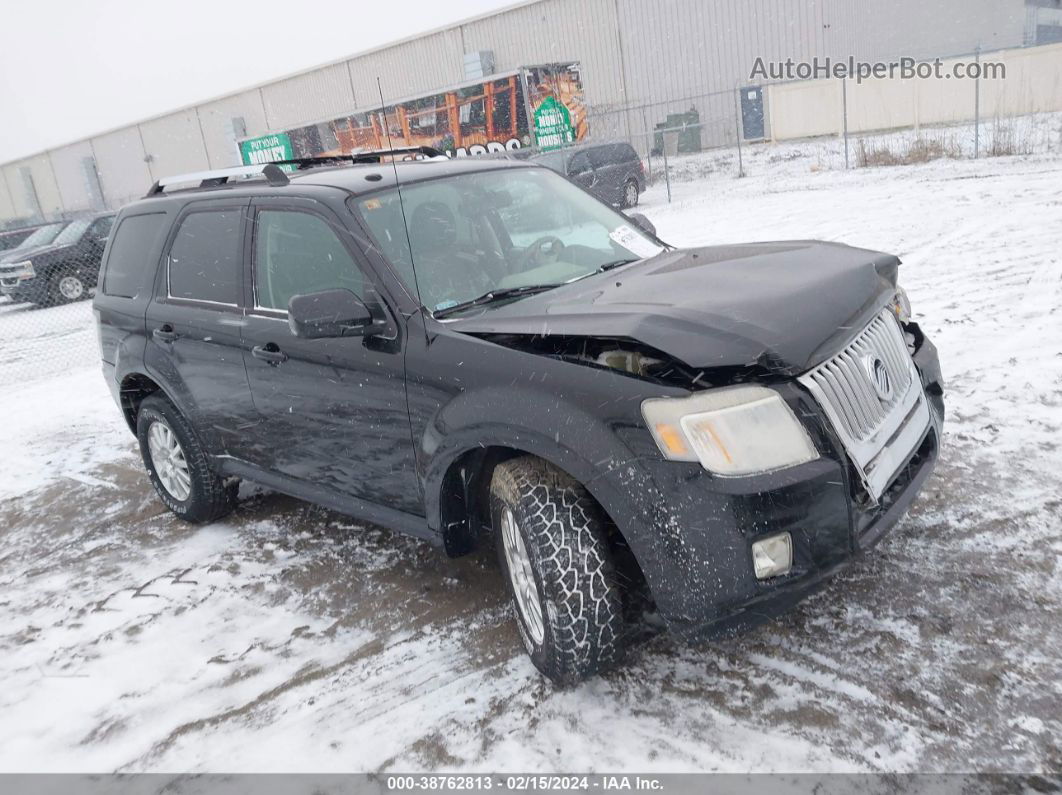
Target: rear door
{"x": 194, "y": 322}
{"x": 333, "y": 411}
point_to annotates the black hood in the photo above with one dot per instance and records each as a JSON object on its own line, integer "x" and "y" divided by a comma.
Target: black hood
{"x": 22, "y": 254}
{"x": 783, "y": 306}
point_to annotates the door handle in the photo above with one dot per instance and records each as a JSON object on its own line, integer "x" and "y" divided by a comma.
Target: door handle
{"x": 270, "y": 353}
{"x": 165, "y": 334}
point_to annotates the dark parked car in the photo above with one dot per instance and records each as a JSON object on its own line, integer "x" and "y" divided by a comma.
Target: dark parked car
{"x": 58, "y": 263}
{"x": 14, "y": 237}
{"x": 710, "y": 431}
{"x": 611, "y": 172}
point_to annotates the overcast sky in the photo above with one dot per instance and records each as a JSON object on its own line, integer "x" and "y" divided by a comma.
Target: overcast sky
{"x": 69, "y": 69}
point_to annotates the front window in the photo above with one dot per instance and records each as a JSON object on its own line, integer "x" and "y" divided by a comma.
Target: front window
{"x": 297, "y": 253}
{"x": 42, "y": 236}
{"x": 495, "y": 230}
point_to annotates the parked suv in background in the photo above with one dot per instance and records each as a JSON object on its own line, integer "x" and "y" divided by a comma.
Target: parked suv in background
{"x": 611, "y": 172}
{"x": 490, "y": 354}
{"x": 58, "y": 263}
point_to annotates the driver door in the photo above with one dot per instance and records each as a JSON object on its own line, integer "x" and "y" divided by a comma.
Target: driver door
{"x": 333, "y": 411}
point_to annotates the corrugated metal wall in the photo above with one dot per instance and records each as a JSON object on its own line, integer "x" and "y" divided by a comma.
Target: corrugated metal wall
{"x": 557, "y": 30}
{"x": 34, "y": 191}
{"x": 174, "y": 144}
{"x": 7, "y": 207}
{"x": 320, "y": 94}
{"x": 217, "y": 120}
{"x": 405, "y": 70}
{"x": 120, "y": 159}
{"x": 641, "y": 59}
{"x": 75, "y": 186}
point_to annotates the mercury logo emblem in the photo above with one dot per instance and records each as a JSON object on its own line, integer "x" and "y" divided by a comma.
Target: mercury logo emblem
{"x": 879, "y": 376}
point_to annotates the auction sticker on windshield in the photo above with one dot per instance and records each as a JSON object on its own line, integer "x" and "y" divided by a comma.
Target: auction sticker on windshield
{"x": 635, "y": 243}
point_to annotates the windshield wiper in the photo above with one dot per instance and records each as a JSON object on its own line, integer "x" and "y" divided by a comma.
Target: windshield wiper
{"x": 615, "y": 264}
{"x": 493, "y": 296}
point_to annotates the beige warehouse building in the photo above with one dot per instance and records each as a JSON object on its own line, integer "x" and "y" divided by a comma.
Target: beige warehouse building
{"x": 638, "y": 61}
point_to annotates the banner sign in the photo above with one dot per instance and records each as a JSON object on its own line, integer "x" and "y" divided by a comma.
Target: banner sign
{"x": 470, "y": 119}
{"x": 266, "y": 149}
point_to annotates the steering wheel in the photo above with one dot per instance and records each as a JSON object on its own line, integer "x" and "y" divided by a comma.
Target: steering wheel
{"x": 534, "y": 252}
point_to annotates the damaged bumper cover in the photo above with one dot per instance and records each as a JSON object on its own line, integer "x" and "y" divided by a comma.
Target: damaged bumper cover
{"x": 696, "y": 530}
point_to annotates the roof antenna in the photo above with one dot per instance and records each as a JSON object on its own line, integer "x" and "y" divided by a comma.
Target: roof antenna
{"x": 398, "y": 187}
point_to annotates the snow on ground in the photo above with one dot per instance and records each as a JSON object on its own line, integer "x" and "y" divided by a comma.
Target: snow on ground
{"x": 290, "y": 638}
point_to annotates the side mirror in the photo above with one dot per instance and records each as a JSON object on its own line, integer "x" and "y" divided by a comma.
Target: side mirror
{"x": 330, "y": 313}
{"x": 643, "y": 223}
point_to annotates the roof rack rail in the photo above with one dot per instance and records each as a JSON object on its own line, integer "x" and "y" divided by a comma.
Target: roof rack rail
{"x": 275, "y": 175}
{"x": 362, "y": 156}
{"x": 375, "y": 155}
{"x": 212, "y": 179}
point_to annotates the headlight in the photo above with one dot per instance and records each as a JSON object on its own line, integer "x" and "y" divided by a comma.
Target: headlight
{"x": 739, "y": 430}
{"x": 901, "y": 305}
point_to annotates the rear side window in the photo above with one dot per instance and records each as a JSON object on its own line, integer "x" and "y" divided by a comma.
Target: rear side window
{"x": 610, "y": 154}
{"x": 130, "y": 264}
{"x": 204, "y": 258}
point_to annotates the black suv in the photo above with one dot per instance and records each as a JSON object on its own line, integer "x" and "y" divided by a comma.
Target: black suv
{"x": 487, "y": 352}
{"x": 612, "y": 172}
{"x": 58, "y": 263}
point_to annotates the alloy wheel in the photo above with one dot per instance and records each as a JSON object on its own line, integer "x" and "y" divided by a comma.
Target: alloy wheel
{"x": 631, "y": 194}
{"x": 71, "y": 288}
{"x": 522, "y": 577}
{"x": 168, "y": 459}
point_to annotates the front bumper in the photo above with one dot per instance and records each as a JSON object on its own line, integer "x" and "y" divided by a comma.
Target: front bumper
{"x": 20, "y": 284}
{"x": 695, "y": 545}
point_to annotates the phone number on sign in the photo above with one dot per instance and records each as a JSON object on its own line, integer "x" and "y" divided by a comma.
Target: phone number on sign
{"x": 515, "y": 783}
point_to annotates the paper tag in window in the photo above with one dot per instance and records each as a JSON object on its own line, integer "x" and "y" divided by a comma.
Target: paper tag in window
{"x": 634, "y": 242}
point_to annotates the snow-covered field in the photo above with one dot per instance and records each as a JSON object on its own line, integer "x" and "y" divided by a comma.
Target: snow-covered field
{"x": 291, "y": 638}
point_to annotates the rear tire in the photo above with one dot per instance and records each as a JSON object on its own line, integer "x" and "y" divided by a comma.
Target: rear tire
{"x": 182, "y": 474}
{"x": 552, "y": 544}
{"x": 630, "y": 194}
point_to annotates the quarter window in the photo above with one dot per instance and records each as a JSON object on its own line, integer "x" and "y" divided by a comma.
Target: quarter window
{"x": 129, "y": 264}
{"x": 298, "y": 253}
{"x": 204, "y": 260}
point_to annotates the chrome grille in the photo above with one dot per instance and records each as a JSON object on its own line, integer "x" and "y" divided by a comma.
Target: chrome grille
{"x": 873, "y": 397}
{"x": 847, "y": 380}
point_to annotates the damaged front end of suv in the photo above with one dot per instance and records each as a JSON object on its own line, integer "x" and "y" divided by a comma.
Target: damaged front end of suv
{"x": 750, "y": 418}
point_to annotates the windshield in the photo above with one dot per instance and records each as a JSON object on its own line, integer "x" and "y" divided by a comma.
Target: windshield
{"x": 498, "y": 230}
{"x": 73, "y": 232}
{"x": 42, "y": 237}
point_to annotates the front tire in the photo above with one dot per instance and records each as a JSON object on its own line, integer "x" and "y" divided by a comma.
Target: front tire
{"x": 552, "y": 543}
{"x": 67, "y": 287}
{"x": 178, "y": 465}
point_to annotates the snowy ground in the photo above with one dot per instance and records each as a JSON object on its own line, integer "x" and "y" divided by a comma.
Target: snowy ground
{"x": 291, "y": 638}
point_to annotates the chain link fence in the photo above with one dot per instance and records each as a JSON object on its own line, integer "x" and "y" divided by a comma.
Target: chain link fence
{"x": 850, "y": 122}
